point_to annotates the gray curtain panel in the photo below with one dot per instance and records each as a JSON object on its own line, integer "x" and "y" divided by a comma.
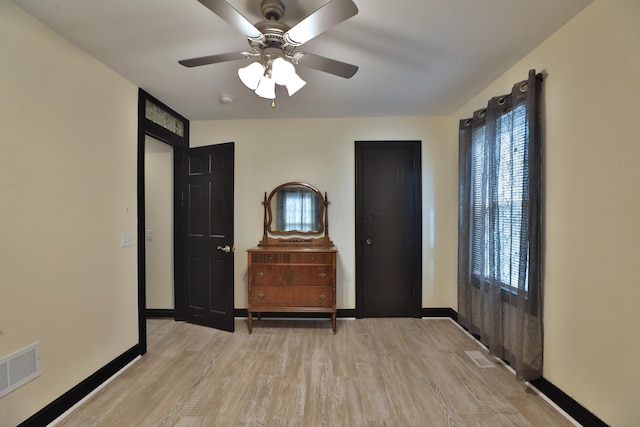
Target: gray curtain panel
{"x": 499, "y": 227}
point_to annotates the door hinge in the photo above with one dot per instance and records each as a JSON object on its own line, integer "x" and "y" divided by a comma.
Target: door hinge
{"x": 182, "y": 198}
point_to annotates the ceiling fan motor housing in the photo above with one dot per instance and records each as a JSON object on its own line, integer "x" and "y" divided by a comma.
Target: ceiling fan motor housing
{"x": 273, "y": 32}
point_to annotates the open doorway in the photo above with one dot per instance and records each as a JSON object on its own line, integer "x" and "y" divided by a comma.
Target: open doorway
{"x": 197, "y": 190}
{"x": 160, "y": 124}
{"x": 159, "y": 227}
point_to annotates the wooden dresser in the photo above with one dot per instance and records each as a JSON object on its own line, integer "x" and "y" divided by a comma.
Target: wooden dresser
{"x": 292, "y": 279}
{"x": 293, "y": 268}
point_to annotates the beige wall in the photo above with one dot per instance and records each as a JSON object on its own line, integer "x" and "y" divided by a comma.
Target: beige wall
{"x": 322, "y": 153}
{"x": 67, "y": 190}
{"x": 158, "y": 171}
{"x": 592, "y": 200}
{"x": 67, "y": 185}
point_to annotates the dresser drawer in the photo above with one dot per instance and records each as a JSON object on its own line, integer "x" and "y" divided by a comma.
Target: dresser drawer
{"x": 299, "y": 296}
{"x": 292, "y": 275}
{"x": 292, "y": 258}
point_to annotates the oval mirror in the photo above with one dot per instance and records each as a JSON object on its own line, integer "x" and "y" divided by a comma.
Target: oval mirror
{"x": 295, "y": 208}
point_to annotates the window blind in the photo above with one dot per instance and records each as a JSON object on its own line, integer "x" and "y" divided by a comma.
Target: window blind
{"x": 500, "y": 200}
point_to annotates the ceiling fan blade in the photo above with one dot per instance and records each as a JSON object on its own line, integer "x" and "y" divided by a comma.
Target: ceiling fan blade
{"x": 331, "y": 66}
{"x": 227, "y": 12}
{"x": 328, "y": 15}
{"x": 212, "y": 59}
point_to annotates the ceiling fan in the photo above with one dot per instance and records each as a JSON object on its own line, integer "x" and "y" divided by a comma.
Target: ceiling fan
{"x": 273, "y": 45}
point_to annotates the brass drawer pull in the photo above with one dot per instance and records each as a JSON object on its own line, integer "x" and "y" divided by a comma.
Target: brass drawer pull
{"x": 261, "y": 275}
{"x": 260, "y": 295}
{"x": 322, "y": 297}
{"x": 322, "y": 275}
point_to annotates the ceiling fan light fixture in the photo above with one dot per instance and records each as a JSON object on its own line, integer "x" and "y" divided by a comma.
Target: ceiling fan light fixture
{"x": 273, "y": 45}
{"x": 251, "y": 75}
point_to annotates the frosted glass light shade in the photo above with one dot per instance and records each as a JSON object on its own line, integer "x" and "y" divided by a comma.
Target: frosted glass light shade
{"x": 294, "y": 84}
{"x": 281, "y": 69}
{"x": 284, "y": 73}
{"x": 251, "y": 75}
{"x": 266, "y": 88}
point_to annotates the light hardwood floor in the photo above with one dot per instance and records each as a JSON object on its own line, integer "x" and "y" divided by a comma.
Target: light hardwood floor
{"x": 373, "y": 372}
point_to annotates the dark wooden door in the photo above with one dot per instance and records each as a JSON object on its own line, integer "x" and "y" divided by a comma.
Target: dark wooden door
{"x": 208, "y": 237}
{"x": 388, "y": 229}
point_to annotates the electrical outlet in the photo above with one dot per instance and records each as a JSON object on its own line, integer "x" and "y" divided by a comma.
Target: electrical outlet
{"x": 126, "y": 240}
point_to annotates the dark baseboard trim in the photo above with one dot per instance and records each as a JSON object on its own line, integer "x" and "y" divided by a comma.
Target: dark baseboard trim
{"x": 342, "y": 312}
{"x": 346, "y": 312}
{"x": 349, "y": 312}
{"x": 160, "y": 313}
{"x": 439, "y": 312}
{"x": 567, "y": 404}
{"x": 59, "y": 406}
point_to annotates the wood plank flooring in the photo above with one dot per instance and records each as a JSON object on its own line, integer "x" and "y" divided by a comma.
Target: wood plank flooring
{"x": 373, "y": 372}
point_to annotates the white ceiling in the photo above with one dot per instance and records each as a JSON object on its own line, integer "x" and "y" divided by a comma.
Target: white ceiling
{"x": 416, "y": 57}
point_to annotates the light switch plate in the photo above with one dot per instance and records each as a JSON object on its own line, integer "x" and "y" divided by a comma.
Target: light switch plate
{"x": 126, "y": 240}
{"x": 148, "y": 234}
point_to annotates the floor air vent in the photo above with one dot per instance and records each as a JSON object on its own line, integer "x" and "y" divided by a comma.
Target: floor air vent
{"x": 479, "y": 359}
{"x": 19, "y": 368}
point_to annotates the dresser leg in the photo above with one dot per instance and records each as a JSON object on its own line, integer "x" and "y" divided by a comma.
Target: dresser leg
{"x": 250, "y": 322}
{"x": 333, "y": 322}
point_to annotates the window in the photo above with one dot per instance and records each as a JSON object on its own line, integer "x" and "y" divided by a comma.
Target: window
{"x": 499, "y": 177}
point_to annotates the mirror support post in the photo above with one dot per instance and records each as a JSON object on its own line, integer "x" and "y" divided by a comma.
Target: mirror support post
{"x": 264, "y": 225}
{"x": 326, "y": 216}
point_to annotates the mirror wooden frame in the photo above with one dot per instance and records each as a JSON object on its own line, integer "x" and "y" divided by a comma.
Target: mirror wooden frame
{"x": 320, "y": 236}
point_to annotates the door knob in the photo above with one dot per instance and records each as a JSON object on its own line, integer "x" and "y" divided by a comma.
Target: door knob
{"x": 368, "y": 241}
{"x": 226, "y": 248}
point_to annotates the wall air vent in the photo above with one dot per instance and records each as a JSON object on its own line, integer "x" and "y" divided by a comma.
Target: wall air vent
{"x": 19, "y": 368}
